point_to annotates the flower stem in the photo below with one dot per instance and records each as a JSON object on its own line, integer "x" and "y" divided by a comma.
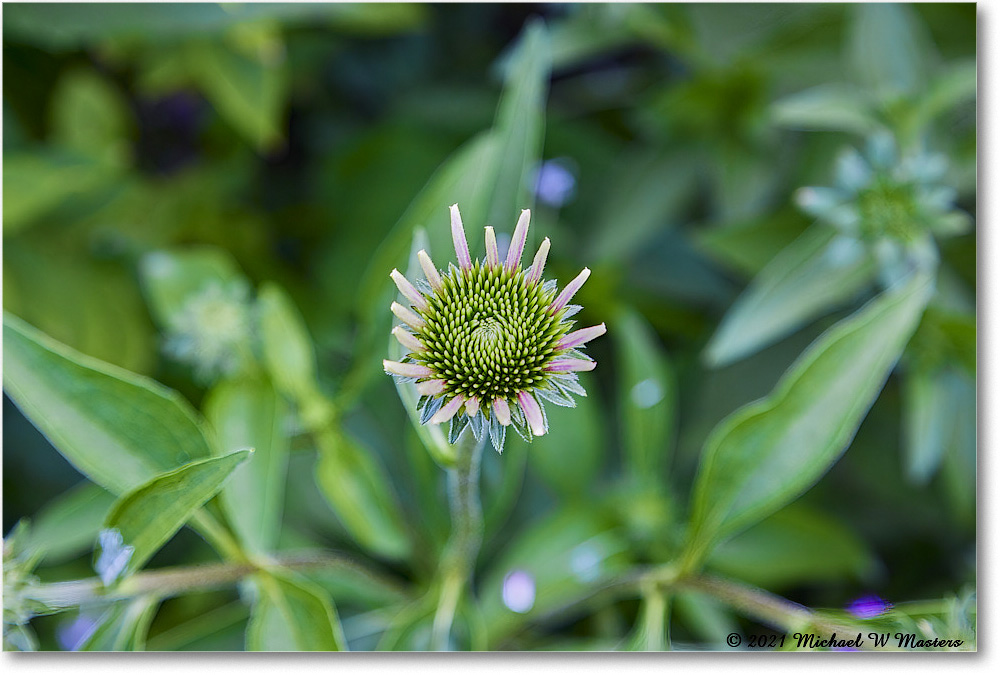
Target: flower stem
{"x": 175, "y": 581}
{"x": 462, "y": 548}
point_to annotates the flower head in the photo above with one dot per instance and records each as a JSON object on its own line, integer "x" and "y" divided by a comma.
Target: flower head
{"x": 488, "y": 340}
{"x": 884, "y": 197}
{"x": 212, "y": 330}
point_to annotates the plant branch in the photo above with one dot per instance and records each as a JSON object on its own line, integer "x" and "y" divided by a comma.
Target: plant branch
{"x": 179, "y": 580}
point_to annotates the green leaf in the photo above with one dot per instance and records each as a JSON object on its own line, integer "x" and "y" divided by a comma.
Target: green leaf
{"x": 68, "y": 525}
{"x": 358, "y": 490}
{"x": 149, "y": 515}
{"x": 794, "y": 546}
{"x": 816, "y": 273}
{"x": 123, "y": 627}
{"x": 645, "y": 195}
{"x": 767, "y": 453}
{"x": 35, "y": 182}
{"x": 519, "y": 127}
{"x": 90, "y": 116}
{"x": 119, "y": 429}
{"x": 889, "y": 49}
{"x": 561, "y": 557}
{"x": 828, "y": 107}
{"x": 648, "y": 395}
{"x": 569, "y": 457}
{"x": 250, "y": 414}
{"x": 245, "y": 80}
{"x": 292, "y": 614}
{"x": 933, "y": 414}
{"x": 288, "y": 348}
{"x": 69, "y": 25}
{"x": 170, "y": 277}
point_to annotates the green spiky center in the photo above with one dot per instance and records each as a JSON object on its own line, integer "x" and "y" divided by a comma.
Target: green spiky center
{"x": 489, "y": 333}
{"x": 888, "y": 209}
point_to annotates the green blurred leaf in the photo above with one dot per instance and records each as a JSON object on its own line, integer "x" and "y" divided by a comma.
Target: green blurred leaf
{"x": 933, "y": 416}
{"x": 707, "y": 618}
{"x": 292, "y": 614}
{"x": 818, "y": 272}
{"x": 767, "y": 453}
{"x": 36, "y": 182}
{"x": 246, "y": 82}
{"x": 794, "y": 546}
{"x": 648, "y": 398}
{"x": 562, "y": 557}
{"x": 358, "y": 490}
{"x": 170, "y": 277}
{"x": 644, "y": 195}
{"x": 569, "y": 457}
{"x": 90, "y": 116}
{"x": 149, "y": 515}
{"x": 287, "y": 346}
{"x": 519, "y": 128}
{"x": 748, "y": 245}
{"x": 90, "y": 305}
{"x": 953, "y": 85}
{"x": 249, "y": 413}
{"x": 119, "y": 429}
{"x": 65, "y": 26}
{"x": 828, "y": 107}
{"x": 123, "y": 627}
{"x": 68, "y": 525}
{"x": 889, "y": 49}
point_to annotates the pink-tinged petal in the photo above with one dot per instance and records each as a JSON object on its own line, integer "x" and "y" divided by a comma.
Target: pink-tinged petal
{"x": 406, "y": 369}
{"x": 448, "y": 410}
{"x": 430, "y": 387}
{"x": 430, "y": 270}
{"x": 458, "y": 236}
{"x": 535, "y": 275}
{"x": 408, "y": 290}
{"x": 532, "y": 412}
{"x": 570, "y": 365}
{"x": 517, "y": 241}
{"x": 407, "y": 316}
{"x": 407, "y": 339}
{"x": 492, "y": 253}
{"x": 472, "y": 406}
{"x": 502, "y": 411}
{"x": 582, "y": 336}
{"x": 570, "y": 290}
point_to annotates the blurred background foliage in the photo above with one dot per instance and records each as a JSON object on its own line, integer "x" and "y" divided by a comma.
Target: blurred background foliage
{"x": 179, "y": 179}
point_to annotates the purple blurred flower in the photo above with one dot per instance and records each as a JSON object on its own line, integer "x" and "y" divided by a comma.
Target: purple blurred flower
{"x": 555, "y": 184}
{"x": 868, "y": 607}
{"x": 519, "y": 591}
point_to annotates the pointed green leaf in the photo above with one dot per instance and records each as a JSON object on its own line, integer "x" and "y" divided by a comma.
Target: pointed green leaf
{"x": 765, "y": 454}
{"x": 816, "y": 273}
{"x": 68, "y": 525}
{"x": 245, "y": 79}
{"x": 889, "y": 49}
{"x": 123, "y": 627}
{"x": 794, "y": 546}
{"x": 825, "y": 108}
{"x": 148, "y": 516}
{"x": 358, "y": 490}
{"x": 648, "y": 395}
{"x": 288, "y": 348}
{"x": 250, "y": 414}
{"x": 292, "y": 614}
{"x": 119, "y": 429}
{"x": 933, "y": 403}
{"x": 519, "y": 127}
